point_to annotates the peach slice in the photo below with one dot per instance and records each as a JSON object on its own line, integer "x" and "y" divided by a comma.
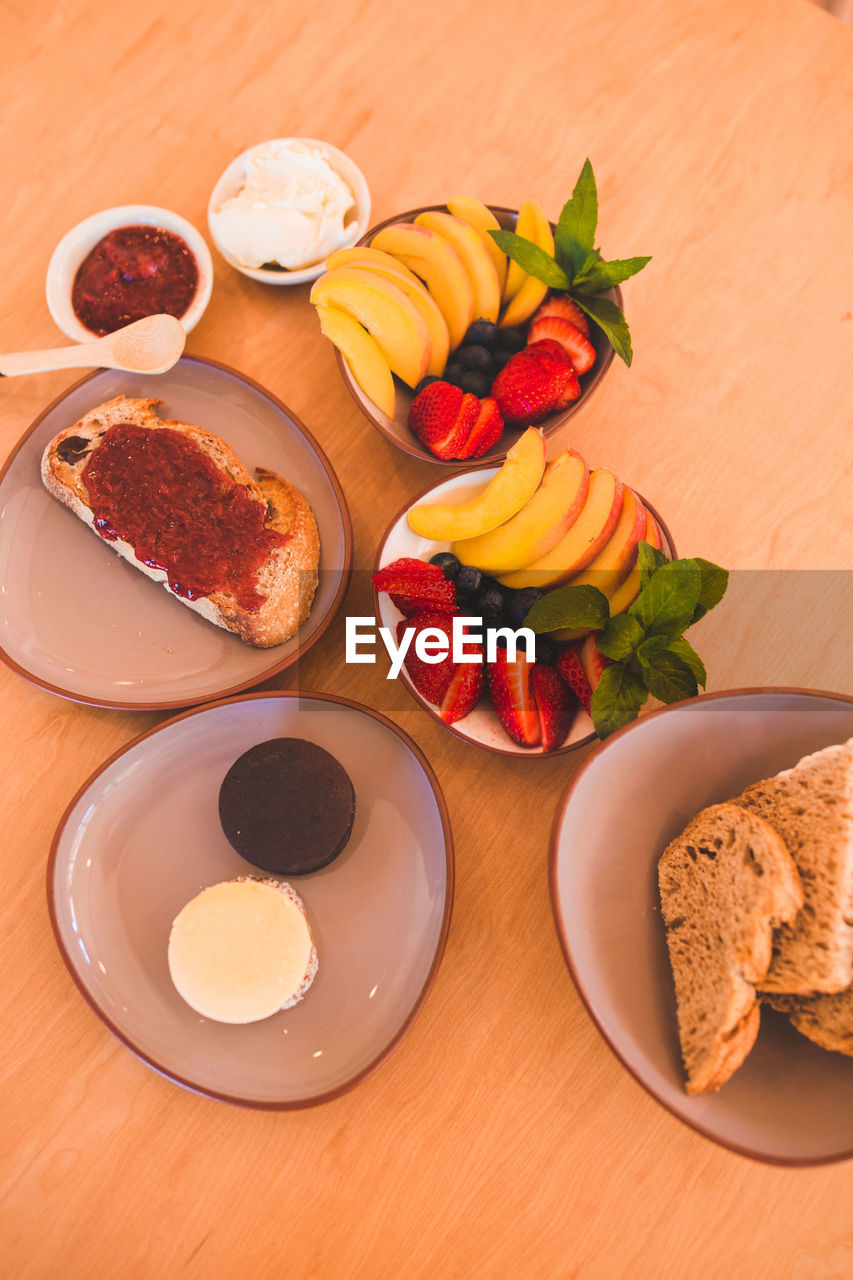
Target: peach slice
{"x": 394, "y": 322}
{"x": 531, "y": 224}
{"x": 363, "y": 355}
{"x": 481, "y": 218}
{"x": 474, "y": 254}
{"x": 581, "y": 544}
{"x": 417, "y": 293}
{"x": 538, "y": 526}
{"x": 504, "y": 495}
{"x": 361, "y": 255}
{"x": 610, "y": 567}
{"x": 438, "y": 264}
{"x": 628, "y": 590}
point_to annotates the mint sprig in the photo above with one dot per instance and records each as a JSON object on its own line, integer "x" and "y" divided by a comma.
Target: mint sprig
{"x": 577, "y": 267}
{"x": 646, "y": 645}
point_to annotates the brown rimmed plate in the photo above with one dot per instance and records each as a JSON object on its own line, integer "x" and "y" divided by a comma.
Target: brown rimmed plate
{"x": 481, "y": 726}
{"x": 791, "y": 1102}
{"x": 83, "y": 623}
{"x": 396, "y": 429}
{"x": 142, "y": 837}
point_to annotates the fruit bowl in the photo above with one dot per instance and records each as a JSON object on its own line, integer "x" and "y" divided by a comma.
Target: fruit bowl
{"x": 396, "y": 428}
{"x": 481, "y": 726}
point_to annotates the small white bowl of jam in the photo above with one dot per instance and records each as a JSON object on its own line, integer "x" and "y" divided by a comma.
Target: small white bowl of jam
{"x": 124, "y": 263}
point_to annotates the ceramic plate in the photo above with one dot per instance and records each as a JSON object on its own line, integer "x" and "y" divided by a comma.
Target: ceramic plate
{"x": 78, "y": 620}
{"x": 481, "y": 726}
{"x": 791, "y": 1102}
{"x": 143, "y": 836}
{"x": 396, "y": 429}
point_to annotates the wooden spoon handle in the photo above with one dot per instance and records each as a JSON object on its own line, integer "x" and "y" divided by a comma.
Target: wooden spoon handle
{"x": 83, "y": 355}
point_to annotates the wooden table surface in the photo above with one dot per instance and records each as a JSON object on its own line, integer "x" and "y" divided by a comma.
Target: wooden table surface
{"x": 502, "y": 1137}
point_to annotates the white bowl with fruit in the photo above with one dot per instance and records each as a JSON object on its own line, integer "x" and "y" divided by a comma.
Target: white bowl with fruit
{"x": 439, "y": 295}
{"x": 490, "y": 544}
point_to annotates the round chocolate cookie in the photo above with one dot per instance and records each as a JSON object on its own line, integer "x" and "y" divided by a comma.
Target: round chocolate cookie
{"x": 287, "y": 806}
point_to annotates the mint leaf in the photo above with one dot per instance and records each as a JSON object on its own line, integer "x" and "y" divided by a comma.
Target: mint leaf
{"x": 668, "y": 600}
{"x": 583, "y": 607}
{"x": 575, "y": 233}
{"x": 611, "y": 321}
{"x": 535, "y": 261}
{"x": 649, "y": 558}
{"x": 617, "y": 699}
{"x": 666, "y": 675}
{"x": 684, "y": 649}
{"x": 620, "y": 637}
{"x": 714, "y": 584}
{"x": 599, "y": 276}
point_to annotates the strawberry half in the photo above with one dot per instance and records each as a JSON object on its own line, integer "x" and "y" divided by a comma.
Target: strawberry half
{"x": 579, "y": 347}
{"x": 571, "y": 670}
{"x": 441, "y": 416}
{"x": 431, "y": 679}
{"x": 555, "y": 705}
{"x": 593, "y": 662}
{"x": 486, "y": 431}
{"x": 555, "y": 356}
{"x": 512, "y": 696}
{"x": 564, "y": 307}
{"x": 415, "y": 585}
{"x": 463, "y": 692}
{"x": 527, "y": 389}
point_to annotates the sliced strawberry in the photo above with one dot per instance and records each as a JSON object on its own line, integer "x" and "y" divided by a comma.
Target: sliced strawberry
{"x": 526, "y": 389}
{"x": 431, "y": 679}
{"x": 571, "y": 669}
{"x": 415, "y": 585}
{"x": 512, "y": 696}
{"x": 435, "y": 409}
{"x": 463, "y": 692}
{"x": 579, "y": 347}
{"x": 593, "y": 662}
{"x": 555, "y": 357}
{"x": 486, "y": 431}
{"x": 555, "y": 704}
{"x": 564, "y": 307}
{"x": 550, "y": 352}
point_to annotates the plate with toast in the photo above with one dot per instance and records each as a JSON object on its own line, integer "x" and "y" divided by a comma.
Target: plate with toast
{"x": 707, "y": 917}
{"x": 167, "y": 540}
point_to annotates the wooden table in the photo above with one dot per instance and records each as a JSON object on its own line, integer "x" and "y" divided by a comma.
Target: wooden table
{"x": 502, "y": 1137}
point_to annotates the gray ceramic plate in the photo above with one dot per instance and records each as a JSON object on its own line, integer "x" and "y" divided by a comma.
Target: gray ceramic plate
{"x": 143, "y": 836}
{"x": 791, "y": 1102}
{"x": 81, "y": 622}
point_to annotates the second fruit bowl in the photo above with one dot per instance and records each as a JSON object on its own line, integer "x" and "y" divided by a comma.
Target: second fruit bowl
{"x": 396, "y": 428}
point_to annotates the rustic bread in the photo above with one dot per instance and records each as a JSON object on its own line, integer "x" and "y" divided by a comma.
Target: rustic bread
{"x": 811, "y": 806}
{"x": 288, "y": 577}
{"x": 826, "y": 1019}
{"x": 725, "y": 883}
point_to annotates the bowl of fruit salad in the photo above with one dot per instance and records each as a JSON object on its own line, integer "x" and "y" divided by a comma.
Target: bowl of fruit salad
{"x": 447, "y": 345}
{"x": 458, "y": 572}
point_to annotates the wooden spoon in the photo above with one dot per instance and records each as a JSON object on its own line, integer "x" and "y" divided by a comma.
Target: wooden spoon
{"x": 150, "y": 345}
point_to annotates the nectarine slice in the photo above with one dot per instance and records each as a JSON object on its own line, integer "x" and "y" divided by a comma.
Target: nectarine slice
{"x": 418, "y": 294}
{"x": 363, "y": 355}
{"x": 438, "y": 264}
{"x": 481, "y": 218}
{"x": 475, "y": 256}
{"x": 385, "y": 311}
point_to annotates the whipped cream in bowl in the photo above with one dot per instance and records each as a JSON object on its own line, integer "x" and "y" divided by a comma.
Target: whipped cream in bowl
{"x": 281, "y": 207}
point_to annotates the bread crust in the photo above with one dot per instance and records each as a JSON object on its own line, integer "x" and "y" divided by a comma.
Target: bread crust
{"x": 288, "y": 578}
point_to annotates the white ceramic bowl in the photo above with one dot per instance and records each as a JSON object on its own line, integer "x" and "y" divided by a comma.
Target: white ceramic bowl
{"x": 80, "y": 240}
{"x": 357, "y": 220}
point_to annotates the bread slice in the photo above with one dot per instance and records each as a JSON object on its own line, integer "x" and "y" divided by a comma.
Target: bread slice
{"x": 725, "y": 883}
{"x": 826, "y": 1019}
{"x": 286, "y": 580}
{"x": 811, "y": 806}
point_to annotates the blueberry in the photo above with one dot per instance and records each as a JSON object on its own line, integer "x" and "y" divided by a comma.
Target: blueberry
{"x": 481, "y": 332}
{"x": 447, "y": 562}
{"x": 424, "y": 382}
{"x": 519, "y": 603}
{"x": 479, "y": 384}
{"x": 468, "y": 580}
{"x": 512, "y": 339}
{"x": 453, "y": 373}
{"x": 475, "y": 357}
{"x": 489, "y": 603}
{"x": 500, "y": 358}
{"x": 546, "y": 650}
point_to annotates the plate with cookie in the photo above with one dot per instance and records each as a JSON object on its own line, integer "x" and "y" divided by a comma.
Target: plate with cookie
{"x": 169, "y": 540}
{"x": 702, "y": 888}
{"x": 255, "y": 896}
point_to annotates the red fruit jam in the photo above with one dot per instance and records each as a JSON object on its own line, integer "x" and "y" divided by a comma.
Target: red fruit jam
{"x": 161, "y": 493}
{"x": 131, "y": 273}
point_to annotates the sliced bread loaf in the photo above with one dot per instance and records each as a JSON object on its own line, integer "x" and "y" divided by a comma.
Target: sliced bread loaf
{"x": 826, "y": 1019}
{"x": 725, "y": 883}
{"x": 811, "y": 806}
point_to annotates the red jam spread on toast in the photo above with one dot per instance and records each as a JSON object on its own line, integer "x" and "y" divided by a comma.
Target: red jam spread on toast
{"x": 158, "y": 491}
{"x": 133, "y": 272}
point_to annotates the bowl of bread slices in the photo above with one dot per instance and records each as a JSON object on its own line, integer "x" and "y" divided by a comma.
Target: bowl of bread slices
{"x": 707, "y": 917}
